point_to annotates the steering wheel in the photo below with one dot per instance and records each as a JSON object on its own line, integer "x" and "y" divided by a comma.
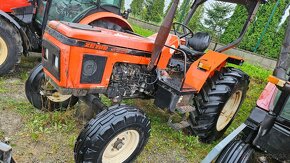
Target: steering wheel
{"x": 186, "y": 30}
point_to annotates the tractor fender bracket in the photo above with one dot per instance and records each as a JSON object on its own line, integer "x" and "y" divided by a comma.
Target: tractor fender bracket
{"x": 235, "y": 60}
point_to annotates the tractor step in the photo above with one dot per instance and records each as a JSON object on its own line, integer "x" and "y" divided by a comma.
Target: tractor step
{"x": 179, "y": 126}
{"x": 185, "y": 109}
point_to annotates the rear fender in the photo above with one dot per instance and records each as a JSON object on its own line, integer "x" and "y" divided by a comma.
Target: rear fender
{"x": 25, "y": 40}
{"x": 205, "y": 67}
{"x": 107, "y": 16}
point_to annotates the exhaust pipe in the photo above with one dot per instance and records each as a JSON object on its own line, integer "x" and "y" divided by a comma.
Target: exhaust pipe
{"x": 162, "y": 35}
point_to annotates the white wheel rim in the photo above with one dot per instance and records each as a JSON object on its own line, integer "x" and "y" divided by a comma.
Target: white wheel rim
{"x": 3, "y": 51}
{"x": 121, "y": 147}
{"x": 229, "y": 110}
{"x": 57, "y": 97}
{"x": 54, "y": 97}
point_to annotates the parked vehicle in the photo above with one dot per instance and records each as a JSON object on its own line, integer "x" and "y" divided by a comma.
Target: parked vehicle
{"x": 267, "y": 129}
{"x": 82, "y": 62}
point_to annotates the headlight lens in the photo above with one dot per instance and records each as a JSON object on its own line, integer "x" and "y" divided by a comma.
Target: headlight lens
{"x": 56, "y": 62}
{"x": 46, "y": 54}
{"x": 89, "y": 68}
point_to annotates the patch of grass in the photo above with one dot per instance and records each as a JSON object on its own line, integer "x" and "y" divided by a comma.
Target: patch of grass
{"x": 39, "y": 123}
{"x": 142, "y": 31}
{"x": 3, "y": 87}
{"x": 2, "y": 135}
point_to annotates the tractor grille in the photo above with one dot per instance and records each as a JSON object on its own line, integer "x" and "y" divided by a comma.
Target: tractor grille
{"x": 92, "y": 69}
{"x": 51, "y": 58}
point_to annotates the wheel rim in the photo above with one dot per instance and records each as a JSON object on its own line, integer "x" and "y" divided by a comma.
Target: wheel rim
{"x": 229, "y": 110}
{"x": 121, "y": 147}
{"x": 3, "y": 51}
{"x": 55, "y": 96}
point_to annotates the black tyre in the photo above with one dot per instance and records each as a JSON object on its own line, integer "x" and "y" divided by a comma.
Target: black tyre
{"x": 218, "y": 103}
{"x": 237, "y": 152}
{"x": 10, "y": 46}
{"x": 33, "y": 88}
{"x": 117, "y": 134}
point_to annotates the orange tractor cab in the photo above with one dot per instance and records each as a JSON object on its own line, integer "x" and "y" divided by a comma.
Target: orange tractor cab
{"x": 22, "y": 22}
{"x": 83, "y": 62}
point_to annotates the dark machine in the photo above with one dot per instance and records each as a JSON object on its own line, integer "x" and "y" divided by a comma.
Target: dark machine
{"x": 267, "y": 129}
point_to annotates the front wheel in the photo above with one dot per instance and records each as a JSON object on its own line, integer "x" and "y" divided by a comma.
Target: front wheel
{"x": 35, "y": 87}
{"x": 218, "y": 103}
{"x": 117, "y": 134}
{"x": 237, "y": 152}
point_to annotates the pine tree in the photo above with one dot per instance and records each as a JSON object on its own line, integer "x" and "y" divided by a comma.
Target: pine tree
{"x": 137, "y": 7}
{"x": 271, "y": 42}
{"x": 123, "y": 5}
{"x": 183, "y": 10}
{"x": 168, "y": 7}
{"x": 217, "y": 17}
{"x": 154, "y": 10}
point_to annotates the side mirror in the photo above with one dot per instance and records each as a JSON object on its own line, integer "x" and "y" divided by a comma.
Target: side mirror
{"x": 126, "y": 13}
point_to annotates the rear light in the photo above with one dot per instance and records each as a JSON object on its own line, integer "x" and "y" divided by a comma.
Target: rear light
{"x": 276, "y": 81}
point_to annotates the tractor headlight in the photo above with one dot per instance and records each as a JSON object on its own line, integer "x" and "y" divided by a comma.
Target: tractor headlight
{"x": 56, "y": 62}
{"x": 89, "y": 68}
{"x": 93, "y": 68}
{"x": 46, "y": 54}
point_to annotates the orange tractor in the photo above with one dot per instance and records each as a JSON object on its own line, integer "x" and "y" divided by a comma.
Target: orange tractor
{"x": 83, "y": 62}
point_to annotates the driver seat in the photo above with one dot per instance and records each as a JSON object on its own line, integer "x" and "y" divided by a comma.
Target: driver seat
{"x": 199, "y": 42}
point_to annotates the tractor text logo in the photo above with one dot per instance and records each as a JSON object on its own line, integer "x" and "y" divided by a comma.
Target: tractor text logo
{"x": 96, "y": 46}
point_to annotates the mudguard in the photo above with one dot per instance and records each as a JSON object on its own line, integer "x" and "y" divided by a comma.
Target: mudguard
{"x": 8, "y": 17}
{"x": 109, "y": 16}
{"x": 26, "y": 43}
{"x": 205, "y": 67}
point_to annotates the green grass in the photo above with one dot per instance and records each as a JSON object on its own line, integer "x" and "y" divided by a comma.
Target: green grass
{"x": 142, "y": 31}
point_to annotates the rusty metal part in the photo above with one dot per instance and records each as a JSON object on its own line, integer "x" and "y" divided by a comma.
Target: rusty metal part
{"x": 163, "y": 34}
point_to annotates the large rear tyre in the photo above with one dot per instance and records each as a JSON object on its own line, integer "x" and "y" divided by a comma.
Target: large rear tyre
{"x": 34, "y": 88}
{"x": 117, "y": 134}
{"x": 10, "y": 46}
{"x": 218, "y": 103}
{"x": 237, "y": 152}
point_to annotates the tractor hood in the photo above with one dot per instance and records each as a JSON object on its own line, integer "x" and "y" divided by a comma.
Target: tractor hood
{"x": 100, "y": 35}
